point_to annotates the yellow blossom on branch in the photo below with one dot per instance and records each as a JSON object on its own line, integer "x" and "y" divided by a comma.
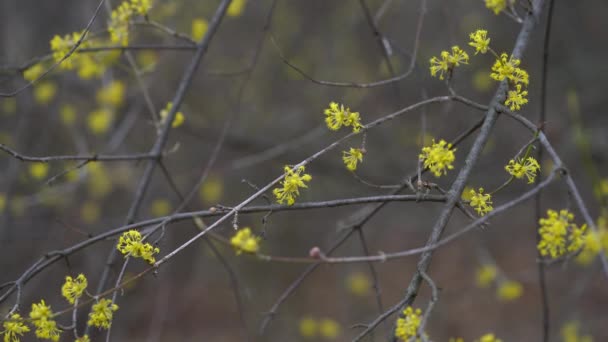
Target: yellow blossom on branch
{"x": 508, "y": 67}
{"x": 34, "y": 72}
{"x": 245, "y": 241}
{"x": 496, "y": 6}
{"x": 482, "y": 203}
{"x": 438, "y": 157}
{"x": 488, "y": 338}
{"x": 448, "y": 61}
{"x": 102, "y": 313}
{"x": 178, "y": 120}
{"x": 42, "y": 318}
{"x": 407, "y": 326}
{"x": 516, "y": 98}
{"x": 559, "y": 235}
{"x": 291, "y": 184}
{"x": 72, "y": 289}
{"x": 199, "y": 28}
{"x": 519, "y": 168}
{"x": 352, "y": 157}
{"x": 130, "y": 244}
{"x": 337, "y": 116}
{"x": 480, "y": 41}
{"x": 14, "y": 328}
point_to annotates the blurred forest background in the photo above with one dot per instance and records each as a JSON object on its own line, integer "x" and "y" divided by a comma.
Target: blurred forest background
{"x": 274, "y": 117}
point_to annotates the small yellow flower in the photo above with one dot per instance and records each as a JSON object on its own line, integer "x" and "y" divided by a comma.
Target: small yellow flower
{"x": 236, "y": 8}
{"x": 520, "y": 168}
{"x": 480, "y": 202}
{"x": 199, "y": 28}
{"x": 559, "y": 235}
{"x": 438, "y": 157}
{"x": 44, "y": 92}
{"x": 84, "y": 338}
{"x": 34, "y": 72}
{"x": 119, "y": 24}
{"x": 42, "y": 318}
{"x": 329, "y": 329}
{"x": 516, "y": 98}
{"x": 141, "y": 6}
{"x": 61, "y": 46}
{"x": 102, "y": 313}
{"x": 130, "y": 244}
{"x": 448, "y": 61}
{"x": 337, "y": 116}
{"x": 508, "y": 67}
{"x": 480, "y": 41}
{"x": 99, "y": 121}
{"x": 14, "y": 328}
{"x": 72, "y": 289}
{"x": 245, "y": 241}
{"x": 39, "y": 170}
{"x": 485, "y": 275}
{"x": 178, "y": 120}
{"x": 291, "y": 184}
{"x": 496, "y": 5}
{"x": 112, "y": 94}
{"x": 488, "y": 338}
{"x": 407, "y": 326}
{"x": 352, "y": 157}
{"x": 509, "y": 290}
{"x": 358, "y": 284}
{"x": 308, "y": 327}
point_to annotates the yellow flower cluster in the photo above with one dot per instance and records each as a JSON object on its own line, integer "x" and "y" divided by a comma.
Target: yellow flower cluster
{"x": 595, "y": 241}
{"x": 130, "y": 244}
{"x": 337, "y": 116}
{"x": 291, "y": 184}
{"x": 438, "y": 157}
{"x": 507, "y": 67}
{"x": 509, "y": 290}
{"x": 496, "y": 6}
{"x": 72, "y": 289}
{"x": 480, "y": 41}
{"x": 245, "y": 241}
{"x": 407, "y": 326}
{"x": 61, "y": 46}
{"x": 102, "y": 313}
{"x": 488, "y": 338}
{"x": 178, "y": 120}
{"x": 485, "y": 275}
{"x": 482, "y": 203}
{"x": 447, "y": 61}
{"x": 559, "y": 235}
{"x": 121, "y": 17}
{"x": 520, "y": 168}
{"x": 42, "y": 319}
{"x": 352, "y": 157}
{"x": 14, "y": 328}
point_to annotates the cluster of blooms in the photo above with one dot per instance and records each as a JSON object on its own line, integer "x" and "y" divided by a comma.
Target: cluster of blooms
{"x": 130, "y": 244}
{"x": 505, "y": 67}
{"x": 102, "y": 313}
{"x": 438, "y": 157}
{"x": 595, "y": 242}
{"x": 497, "y": 6}
{"x": 559, "y": 235}
{"x": 72, "y": 289}
{"x": 337, "y": 116}
{"x": 178, "y": 120}
{"x": 352, "y": 157}
{"x": 527, "y": 167}
{"x": 407, "y": 326}
{"x": 88, "y": 65}
{"x": 245, "y": 241}
{"x": 121, "y": 17}
{"x": 41, "y": 315}
{"x": 447, "y": 61}
{"x": 291, "y": 184}
{"x": 42, "y": 319}
{"x": 482, "y": 203}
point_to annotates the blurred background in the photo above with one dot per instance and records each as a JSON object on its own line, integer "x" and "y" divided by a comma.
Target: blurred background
{"x": 273, "y": 116}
